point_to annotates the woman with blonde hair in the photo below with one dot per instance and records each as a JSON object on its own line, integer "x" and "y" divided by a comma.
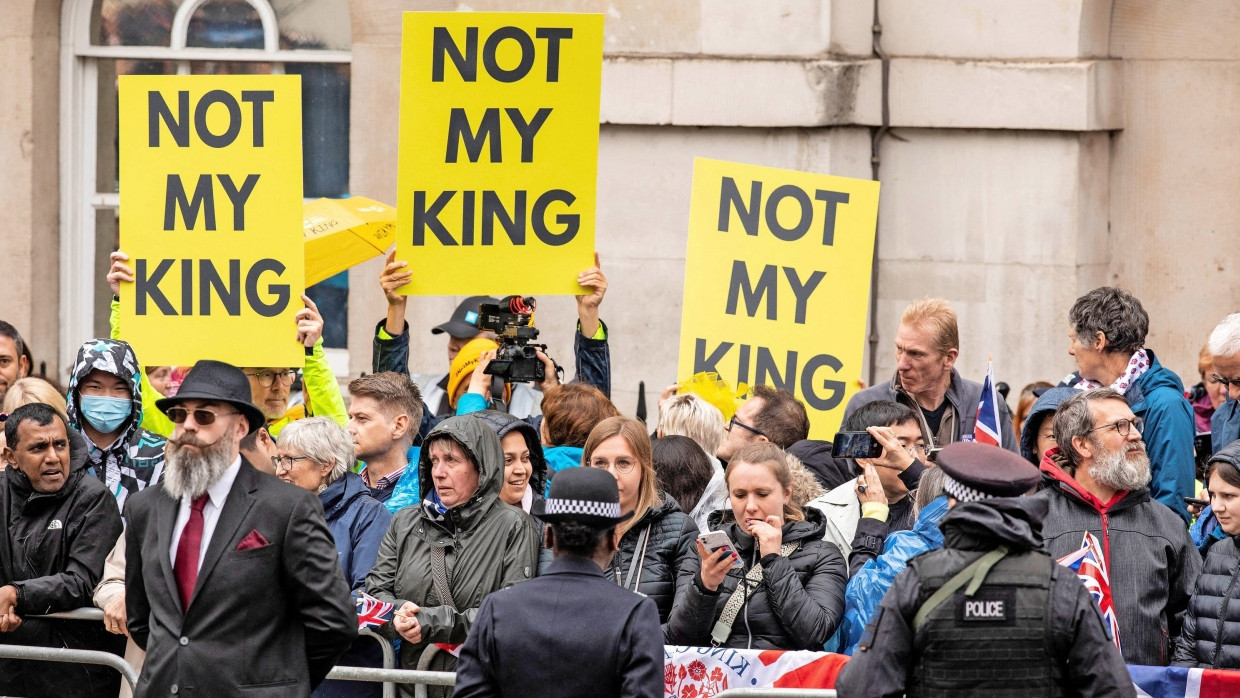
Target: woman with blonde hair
{"x": 787, "y": 590}
{"x": 30, "y": 390}
{"x": 656, "y": 543}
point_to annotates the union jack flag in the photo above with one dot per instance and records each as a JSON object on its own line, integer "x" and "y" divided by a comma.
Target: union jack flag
{"x": 986, "y": 429}
{"x": 1090, "y": 565}
{"x": 371, "y": 612}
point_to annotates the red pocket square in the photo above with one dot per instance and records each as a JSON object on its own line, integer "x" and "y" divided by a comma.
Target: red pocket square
{"x": 252, "y": 540}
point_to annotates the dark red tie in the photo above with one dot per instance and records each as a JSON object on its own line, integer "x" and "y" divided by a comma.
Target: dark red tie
{"x": 186, "y": 565}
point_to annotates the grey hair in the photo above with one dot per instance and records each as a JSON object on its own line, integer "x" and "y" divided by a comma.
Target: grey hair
{"x": 928, "y": 489}
{"x": 692, "y": 416}
{"x": 1074, "y": 418}
{"x": 323, "y": 441}
{"x": 1225, "y": 339}
{"x": 1117, "y": 314}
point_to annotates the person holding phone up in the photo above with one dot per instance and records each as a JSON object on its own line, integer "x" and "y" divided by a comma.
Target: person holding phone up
{"x": 788, "y": 591}
{"x": 862, "y": 512}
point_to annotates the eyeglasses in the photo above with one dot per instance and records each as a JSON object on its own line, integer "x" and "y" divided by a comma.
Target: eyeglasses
{"x": 268, "y": 378}
{"x": 1225, "y": 382}
{"x": 287, "y": 462}
{"x": 734, "y": 422}
{"x": 623, "y": 466}
{"x": 202, "y": 417}
{"x": 914, "y": 449}
{"x": 1123, "y": 426}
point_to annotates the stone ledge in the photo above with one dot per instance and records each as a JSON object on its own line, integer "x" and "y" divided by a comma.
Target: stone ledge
{"x": 925, "y": 93}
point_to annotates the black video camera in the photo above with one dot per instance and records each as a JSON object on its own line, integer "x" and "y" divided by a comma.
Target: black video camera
{"x": 516, "y": 360}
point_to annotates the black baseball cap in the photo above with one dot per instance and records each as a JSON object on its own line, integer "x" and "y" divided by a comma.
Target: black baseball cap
{"x": 463, "y": 325}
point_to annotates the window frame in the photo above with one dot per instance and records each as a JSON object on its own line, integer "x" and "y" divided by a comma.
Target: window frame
{"x": 80, "y": 200}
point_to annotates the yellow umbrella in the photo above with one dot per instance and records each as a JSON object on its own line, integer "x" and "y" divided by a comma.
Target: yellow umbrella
{"x": 343, "y": 232}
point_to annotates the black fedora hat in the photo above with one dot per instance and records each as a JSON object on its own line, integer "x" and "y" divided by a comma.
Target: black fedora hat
{"x": 582, "y": 495}
{"x": 218, "y": 382}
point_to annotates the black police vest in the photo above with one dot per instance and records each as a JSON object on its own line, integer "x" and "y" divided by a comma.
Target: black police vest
{"x": 995, "y": 643}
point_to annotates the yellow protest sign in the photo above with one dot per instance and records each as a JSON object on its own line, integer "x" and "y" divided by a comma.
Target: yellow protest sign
{"x": 210, "y": 216}
{"x": 498, "y": 159}
{"x": 777, "y": 282}
{"x": 341, "y": 233}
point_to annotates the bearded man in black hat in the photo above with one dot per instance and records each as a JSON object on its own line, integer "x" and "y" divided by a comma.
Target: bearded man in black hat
{"x": 991, "y": 613}
{"x": 570, "y": 632}
{"x": 232, "y": 581}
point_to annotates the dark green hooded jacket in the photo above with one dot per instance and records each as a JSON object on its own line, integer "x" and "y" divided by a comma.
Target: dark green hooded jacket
{"x": 488, "y": 546}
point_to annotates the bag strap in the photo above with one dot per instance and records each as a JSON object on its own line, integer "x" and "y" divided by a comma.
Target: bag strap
{"x": 973, "y": 575}
{"x": 639, "y": 559}
{"x": 439, "y": 576}
{"x": 723, "y": 627}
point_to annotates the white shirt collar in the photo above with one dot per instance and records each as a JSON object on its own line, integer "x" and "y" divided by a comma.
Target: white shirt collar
{"x": 219, "y": 491}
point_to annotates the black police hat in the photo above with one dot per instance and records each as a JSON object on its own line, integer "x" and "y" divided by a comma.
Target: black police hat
{"x": 582, "y": 495}
{"x": 462, "y": 323}
{"x": 974, "y": 471}
{"x": 219, "y": 382}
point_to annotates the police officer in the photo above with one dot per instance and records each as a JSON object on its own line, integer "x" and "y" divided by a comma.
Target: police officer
{"x": 570, "y": 632}
{"x": 991, "y": 613}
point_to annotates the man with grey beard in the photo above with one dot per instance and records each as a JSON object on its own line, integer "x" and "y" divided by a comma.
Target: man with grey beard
{"x": 232, "y": 582}
{"x": 1097, "y": 483}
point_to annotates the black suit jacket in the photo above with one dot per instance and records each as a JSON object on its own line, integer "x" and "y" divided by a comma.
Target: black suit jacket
{"x": 571, "y": 632}
{"x": 269, "y": 621}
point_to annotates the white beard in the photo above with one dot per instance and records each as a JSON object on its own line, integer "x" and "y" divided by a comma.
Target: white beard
{"x": 1115, "y": 470}
{"x": 191, "y": 473}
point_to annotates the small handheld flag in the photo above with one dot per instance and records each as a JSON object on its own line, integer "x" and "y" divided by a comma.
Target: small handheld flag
{"x": 986, "y": 429}
{"x": 371, "y": 612}
{"x": 1089, "y": 564}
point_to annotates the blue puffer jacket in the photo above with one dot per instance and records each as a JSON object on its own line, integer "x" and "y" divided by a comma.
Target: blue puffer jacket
{"x": 357, "y": 522}
{"x": 866, "y": 588}
{"x": 1158, "y": 398}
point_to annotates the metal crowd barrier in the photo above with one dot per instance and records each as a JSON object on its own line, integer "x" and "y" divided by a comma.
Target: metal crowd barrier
{"x": 60, "y": 654}
{"x": 389, "y": 675}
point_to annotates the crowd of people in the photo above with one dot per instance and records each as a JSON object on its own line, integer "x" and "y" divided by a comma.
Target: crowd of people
{"x": 231, "y": 521}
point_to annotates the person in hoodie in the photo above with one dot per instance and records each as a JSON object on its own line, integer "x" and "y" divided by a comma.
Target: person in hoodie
{"x": 991, "y": 613}
{"x": 460, "y": 526}
{"x": 1096, "y": 481}
{"x": 57, "y": 525}
{"x": 1210, "y": 639}
{"x": 525, "y": 469}
{"x": 315, "y": 454}
{"x": 1037, "y": 434}
{"x": 787, "y": 593}
{"x": 1106, "y": 331}
{"x": 105, "y": 405}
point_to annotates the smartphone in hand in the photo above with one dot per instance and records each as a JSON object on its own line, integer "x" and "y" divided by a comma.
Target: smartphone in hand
{"x": 714, "y": 540}
{"x": 855, "y": 444}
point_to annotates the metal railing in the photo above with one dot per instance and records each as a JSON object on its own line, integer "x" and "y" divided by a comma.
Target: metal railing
{"x": 60, "y": 654}
{"x": 389, "y": 675}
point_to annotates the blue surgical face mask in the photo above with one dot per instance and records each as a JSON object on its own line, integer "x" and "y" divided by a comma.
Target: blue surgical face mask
{"x": 106, "y": 414}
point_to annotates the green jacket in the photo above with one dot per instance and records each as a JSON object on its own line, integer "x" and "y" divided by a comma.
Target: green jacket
{"x": 489, "y": 545}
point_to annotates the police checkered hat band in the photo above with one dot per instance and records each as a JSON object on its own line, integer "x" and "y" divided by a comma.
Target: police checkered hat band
{"x": 583, "y": 495}
{"x": 961, "y": 492}
{"x": 610, "y": 510}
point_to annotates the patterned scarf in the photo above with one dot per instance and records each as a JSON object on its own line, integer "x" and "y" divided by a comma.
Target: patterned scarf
{"x": 434, "y": 509}
{"x": 1137, "y": 366}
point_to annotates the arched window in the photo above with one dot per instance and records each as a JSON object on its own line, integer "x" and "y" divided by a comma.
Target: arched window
{"x": 103, "y": 39}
